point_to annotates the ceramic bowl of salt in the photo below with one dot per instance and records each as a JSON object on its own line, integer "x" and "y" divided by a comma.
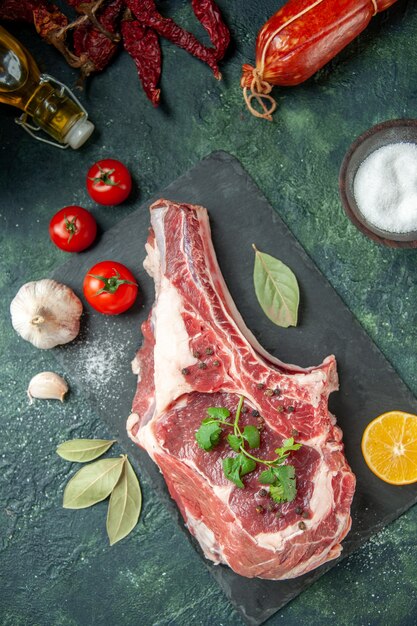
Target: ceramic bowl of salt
{"x": 378, "y": 183}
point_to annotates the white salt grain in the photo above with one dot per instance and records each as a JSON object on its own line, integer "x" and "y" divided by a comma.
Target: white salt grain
{"x": 385, "y": 188}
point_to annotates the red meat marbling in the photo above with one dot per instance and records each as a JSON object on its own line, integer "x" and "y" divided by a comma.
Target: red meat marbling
{"x": 195, "y": 321}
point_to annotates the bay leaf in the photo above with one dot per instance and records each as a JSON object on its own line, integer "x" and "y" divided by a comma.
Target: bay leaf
{"x": 83, "y": 450}
{"x": 92, "y": 483}
{"x": 276, "y": 289}
{"x": 124, "y": 506}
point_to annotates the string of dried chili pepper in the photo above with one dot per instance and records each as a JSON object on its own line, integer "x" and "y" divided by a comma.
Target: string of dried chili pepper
{"x": 94, "y": 46}
{"x": 208, "y": 14}
{"x": 51, "y": 25}
{"x": 145, "y": 11}
{"x": 142, "y": 44}
{"x": 89, "y": 10}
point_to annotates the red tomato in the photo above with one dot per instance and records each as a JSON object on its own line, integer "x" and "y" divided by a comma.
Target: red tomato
{"x": 73, "y": 229}
{"x": 110, "y": 287}
{"x": 109, "y": 182}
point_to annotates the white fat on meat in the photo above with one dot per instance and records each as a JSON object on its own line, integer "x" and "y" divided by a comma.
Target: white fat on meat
{"x": 315, "y": 383}
{"x": 146, "y": 438}
{"x": 223, "y": 492}
{"x": 152, "y": 264}
{"x": 172, "y": 351}
{"x": 135, "y": 365}
{"x": 132, "y": 420}
{"x": 205, "y": 538}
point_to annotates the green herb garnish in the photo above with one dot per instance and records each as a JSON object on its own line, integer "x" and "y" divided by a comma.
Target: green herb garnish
{"x": 208, "y": 435}
{"x": 234, "y": 467}
{"x": 280, "y": 478}
{"x": 282, "y": 482}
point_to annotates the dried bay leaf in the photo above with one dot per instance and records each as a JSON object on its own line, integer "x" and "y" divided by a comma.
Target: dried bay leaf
{"x": 276, "y": 289}
{"x": 93, "y": 483}
{"x": 124, "y": 506}
{"x": 83, "y": 450}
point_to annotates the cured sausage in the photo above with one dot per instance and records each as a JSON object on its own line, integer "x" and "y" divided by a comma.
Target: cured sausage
{"x": 298, "y": 40}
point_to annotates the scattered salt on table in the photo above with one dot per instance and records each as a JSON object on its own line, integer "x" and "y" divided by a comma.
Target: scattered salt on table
{"x": 385, "y": 188}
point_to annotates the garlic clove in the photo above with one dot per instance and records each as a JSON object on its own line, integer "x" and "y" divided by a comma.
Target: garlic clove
{"x": 47, "y": 386}
{"x": 46, "y": 313}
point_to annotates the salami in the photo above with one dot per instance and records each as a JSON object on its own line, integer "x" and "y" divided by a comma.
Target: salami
{"x": 298, "y": 40}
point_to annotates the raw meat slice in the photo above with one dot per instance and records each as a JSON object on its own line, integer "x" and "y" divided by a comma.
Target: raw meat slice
{"x": 197, "y": 353}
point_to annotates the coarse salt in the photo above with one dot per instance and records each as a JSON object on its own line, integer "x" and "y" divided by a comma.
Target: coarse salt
{"x": 385, "y": 188}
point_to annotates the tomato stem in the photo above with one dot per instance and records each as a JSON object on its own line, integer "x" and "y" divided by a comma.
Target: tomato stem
{"x": 105, "y": 177}
{"x": 71, "y": 227}
{"x": 112, "y": 283}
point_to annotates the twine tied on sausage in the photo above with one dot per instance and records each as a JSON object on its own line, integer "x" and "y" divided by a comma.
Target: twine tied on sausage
{"x": 259, "y": 91}
{"x": 255, "y": 87}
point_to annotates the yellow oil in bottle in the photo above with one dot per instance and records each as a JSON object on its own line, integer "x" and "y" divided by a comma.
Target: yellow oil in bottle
{"x": 50, "y": 105}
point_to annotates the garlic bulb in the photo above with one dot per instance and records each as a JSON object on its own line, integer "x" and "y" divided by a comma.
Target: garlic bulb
{"x": 46, "y": 313}
{"x": 47, "y": 386}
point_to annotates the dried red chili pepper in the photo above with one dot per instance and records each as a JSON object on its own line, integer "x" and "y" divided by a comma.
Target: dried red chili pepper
{"x": 48, "y": 20}
{"x": 51, "y": 24}
{"x": 146, "y": 13}
{"x": 208, "y": 13}
{"x": 93, "y": 45}
{"x": 142, "y": 44}
{"x": 79, "y": 38}
{"x": 89, "y": 10}
{"x": 18, "y": 11}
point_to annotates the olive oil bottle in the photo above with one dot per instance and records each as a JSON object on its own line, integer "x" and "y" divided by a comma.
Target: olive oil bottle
{"x": 46, "y": 103}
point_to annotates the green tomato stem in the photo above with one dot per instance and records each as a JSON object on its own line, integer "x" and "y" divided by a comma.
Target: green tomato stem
{"x": 71, "y": 227}
{"x": 105, "y": 178}
{"x": 111, "y": 284}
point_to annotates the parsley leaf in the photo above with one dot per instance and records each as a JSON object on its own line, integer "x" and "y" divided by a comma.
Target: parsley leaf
{"x": 251, "y": 434}
{"x": 234, "y": 467}
{"x": 288, "y": 445}
{"x": 247, "y": 465}
{"x": 234, "y": 442}
{"x": 267, "y": 477}
{"x": 276, "y": 492}
{"x": 218, "y": 412}
{"x": 208, "y": 435}
{"x": 284, "y": 488}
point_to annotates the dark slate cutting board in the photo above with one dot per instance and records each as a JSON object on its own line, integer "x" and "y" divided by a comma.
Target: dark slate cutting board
{"x": 100, "y": 358}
